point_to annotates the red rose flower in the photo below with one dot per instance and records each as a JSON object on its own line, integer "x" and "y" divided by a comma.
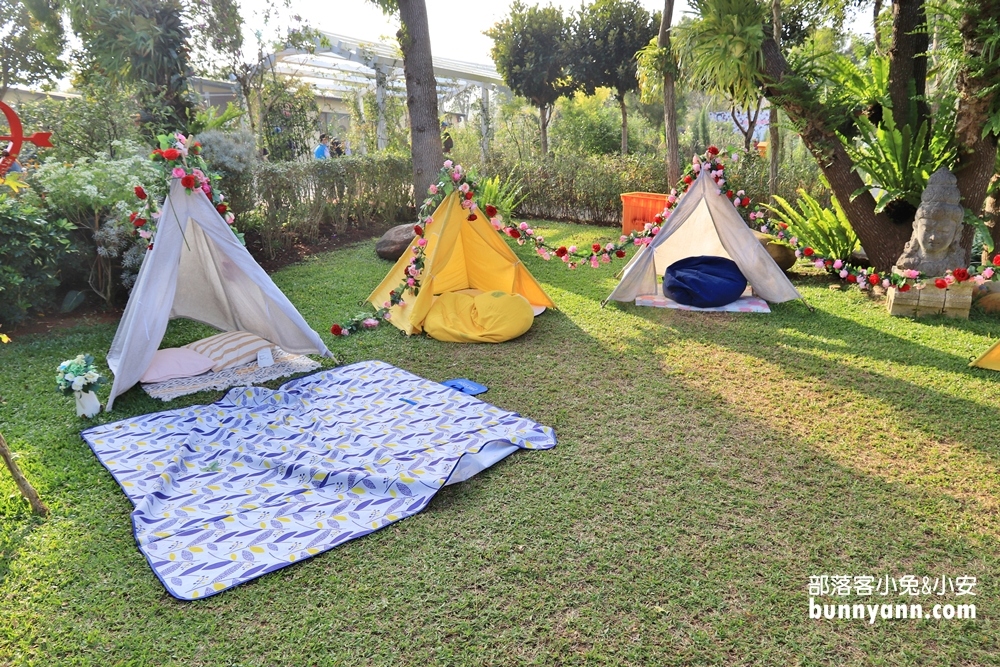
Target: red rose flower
{"x": 996, "y": 261}
{"x": 961, "y": 275}
{"x": 491, "y": 211}
{"x": 905, "y": 287}
{"x": 139, "y": 192}
{"x": 658, "y": 218}
{"x": 712, "y": 150}
{"x": 139, "y": 222}
{"x": 188, "y": 181}
{"x": 472, "y": 216}
{"x": 336, "y": 329}
{"x": 808, "y": 252}
{"x": 619, "y": 253}
{"x": 149, "y": 247}
{"x": 941, "y": 283}
{"x": 746, "y": 201}
{"x": 514, "y": 234}
{"x": 720, "y": 167}
{"x": 851, "y": 278}
{"x": 132, "y": 217}
{"x": 783, "y": 225}
{"x": 873, "y": 278}
{"x": 418, "y": 230}
{"x": 688, "y": 180}
{"x": 729, "y": 193}
{"x": 222, "y": 208}
{"x": 171, "y": 154}
{"x": 596, "y": 247}
{"x": 469, "y": 195}
{"x": 561, "y": 251}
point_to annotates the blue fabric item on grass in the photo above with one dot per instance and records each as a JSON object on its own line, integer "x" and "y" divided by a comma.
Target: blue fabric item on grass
{"x": 261, "y": 479}
{"x": 704, "y": 281}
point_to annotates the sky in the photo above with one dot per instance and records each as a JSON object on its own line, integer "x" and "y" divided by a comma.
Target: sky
{"x": 452, "y": 36}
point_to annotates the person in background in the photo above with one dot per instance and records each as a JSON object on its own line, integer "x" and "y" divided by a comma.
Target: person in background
{"x": 336, "y": 148}
{"x": 448, "y": 143}
{"x": 322, "y": 151}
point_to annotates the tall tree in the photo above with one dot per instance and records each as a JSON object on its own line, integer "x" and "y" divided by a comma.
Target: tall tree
{"x": 31, "y": 45}
{"x": 799, "y": 94}
{"x": 145, "y": 43}
{"x": 530, "y": 49}
{"x": 608, "y": 35}
{"x": 421, "y": 90}
{"x": 669, "y": 97}
{"x": 774, "y": 133}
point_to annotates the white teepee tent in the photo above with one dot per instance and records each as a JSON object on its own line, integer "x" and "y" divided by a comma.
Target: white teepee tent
{"x": 199, "y": 270}
{"x": 704, "y": 223}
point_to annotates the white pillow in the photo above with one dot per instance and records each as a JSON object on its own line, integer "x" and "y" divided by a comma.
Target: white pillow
{"x": 176, "y": 362}
{"x": 230, "y": 349}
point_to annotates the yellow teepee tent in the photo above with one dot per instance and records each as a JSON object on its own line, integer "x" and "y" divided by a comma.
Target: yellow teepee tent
{"x": 990, "y": 359}
{"x": 460, "y": 254}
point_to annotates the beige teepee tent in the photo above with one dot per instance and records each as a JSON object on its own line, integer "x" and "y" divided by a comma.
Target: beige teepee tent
{"x": 704, "y": 223}
{"x": 198, "y": 269}
{"x": 460, "y": 254}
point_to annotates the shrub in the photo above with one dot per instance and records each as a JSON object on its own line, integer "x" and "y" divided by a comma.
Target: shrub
{"x": 94, "y": 196}
{"x": 583, "y": 188}
{"x": 295, "y": 198}
{"x": 234, "y": 156}
{"x": 824, "y": 230}
{"x": 33, "y": 250}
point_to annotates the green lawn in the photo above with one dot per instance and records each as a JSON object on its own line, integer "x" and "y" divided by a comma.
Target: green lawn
{"x": 707, "y": 465}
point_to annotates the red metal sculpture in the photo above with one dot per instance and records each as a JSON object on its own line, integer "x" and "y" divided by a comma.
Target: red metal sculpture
{"x": 17, "y": 138}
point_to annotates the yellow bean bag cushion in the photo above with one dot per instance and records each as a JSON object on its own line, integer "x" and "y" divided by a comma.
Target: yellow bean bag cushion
{"x": 491, "y": 317}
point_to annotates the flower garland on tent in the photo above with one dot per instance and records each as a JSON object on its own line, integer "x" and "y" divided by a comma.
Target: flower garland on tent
{"x": 453, "y": 177}
{"x": 713, "y": 160}
{"x": 864, "y": 278}
{"x": 180, "y": 157}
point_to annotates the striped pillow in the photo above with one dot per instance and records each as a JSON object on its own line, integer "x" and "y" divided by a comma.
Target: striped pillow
{"x": 233, "y": 348}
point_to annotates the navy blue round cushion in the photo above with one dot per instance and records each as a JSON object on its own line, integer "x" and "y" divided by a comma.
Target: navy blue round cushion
{"x": 704, "y": 282}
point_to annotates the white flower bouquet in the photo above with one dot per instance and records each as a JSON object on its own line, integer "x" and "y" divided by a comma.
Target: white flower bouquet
{"x": 78, "y": 374}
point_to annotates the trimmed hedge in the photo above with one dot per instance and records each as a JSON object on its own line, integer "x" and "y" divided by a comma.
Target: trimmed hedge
{"x": 292, "y": 199}
{"x": 580, "y": 188}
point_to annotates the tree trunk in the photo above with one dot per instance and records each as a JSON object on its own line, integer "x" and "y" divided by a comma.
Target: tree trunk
{"x": 878, "y": 38}
{"x": 774, "y": 134}
{"x": 882, "y": 239}
{"x": 543, "y": 125}
{"x": 421, "y": 95}
{"x": 908, "y": 61}
{"x": 621, "y": 103}
{"x": 977, "y": 155}
{"x": 27, "y": 490}
{"x": 669, "y": 98}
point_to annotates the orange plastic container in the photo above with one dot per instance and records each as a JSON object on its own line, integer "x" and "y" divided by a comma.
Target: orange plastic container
{"x": 638, "y": 208}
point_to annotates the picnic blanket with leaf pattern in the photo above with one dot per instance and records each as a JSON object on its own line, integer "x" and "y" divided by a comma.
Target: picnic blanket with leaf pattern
{"x": 224, "y": 493}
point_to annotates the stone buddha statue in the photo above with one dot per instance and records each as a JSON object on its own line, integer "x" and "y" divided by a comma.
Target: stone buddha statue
{"x": 935, "y": 246}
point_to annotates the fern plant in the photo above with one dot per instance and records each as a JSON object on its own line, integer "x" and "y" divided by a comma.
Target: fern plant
{"x": 506, "y": 194}
{"x": 896, "y": 160}
{"x": 826, "y": 231}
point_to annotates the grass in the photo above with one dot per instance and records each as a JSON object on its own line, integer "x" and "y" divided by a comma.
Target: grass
{"x": 707, "y": 465}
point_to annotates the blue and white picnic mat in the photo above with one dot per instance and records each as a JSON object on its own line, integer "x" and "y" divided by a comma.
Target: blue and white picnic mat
{"x": 224, "y": 493}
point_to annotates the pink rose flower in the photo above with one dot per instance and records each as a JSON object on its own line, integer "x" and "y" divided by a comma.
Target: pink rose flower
{"x": 448, "y": 163}
{"x": 421, "y": 242}
{"x": 843, "y": 273}
{"x": 178, "y": 172}
{"x": 988, "y": 272}
{"x": 523, "y": 226}
{"x": 433, "y": 189}
{"x": 838, "y": 264}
